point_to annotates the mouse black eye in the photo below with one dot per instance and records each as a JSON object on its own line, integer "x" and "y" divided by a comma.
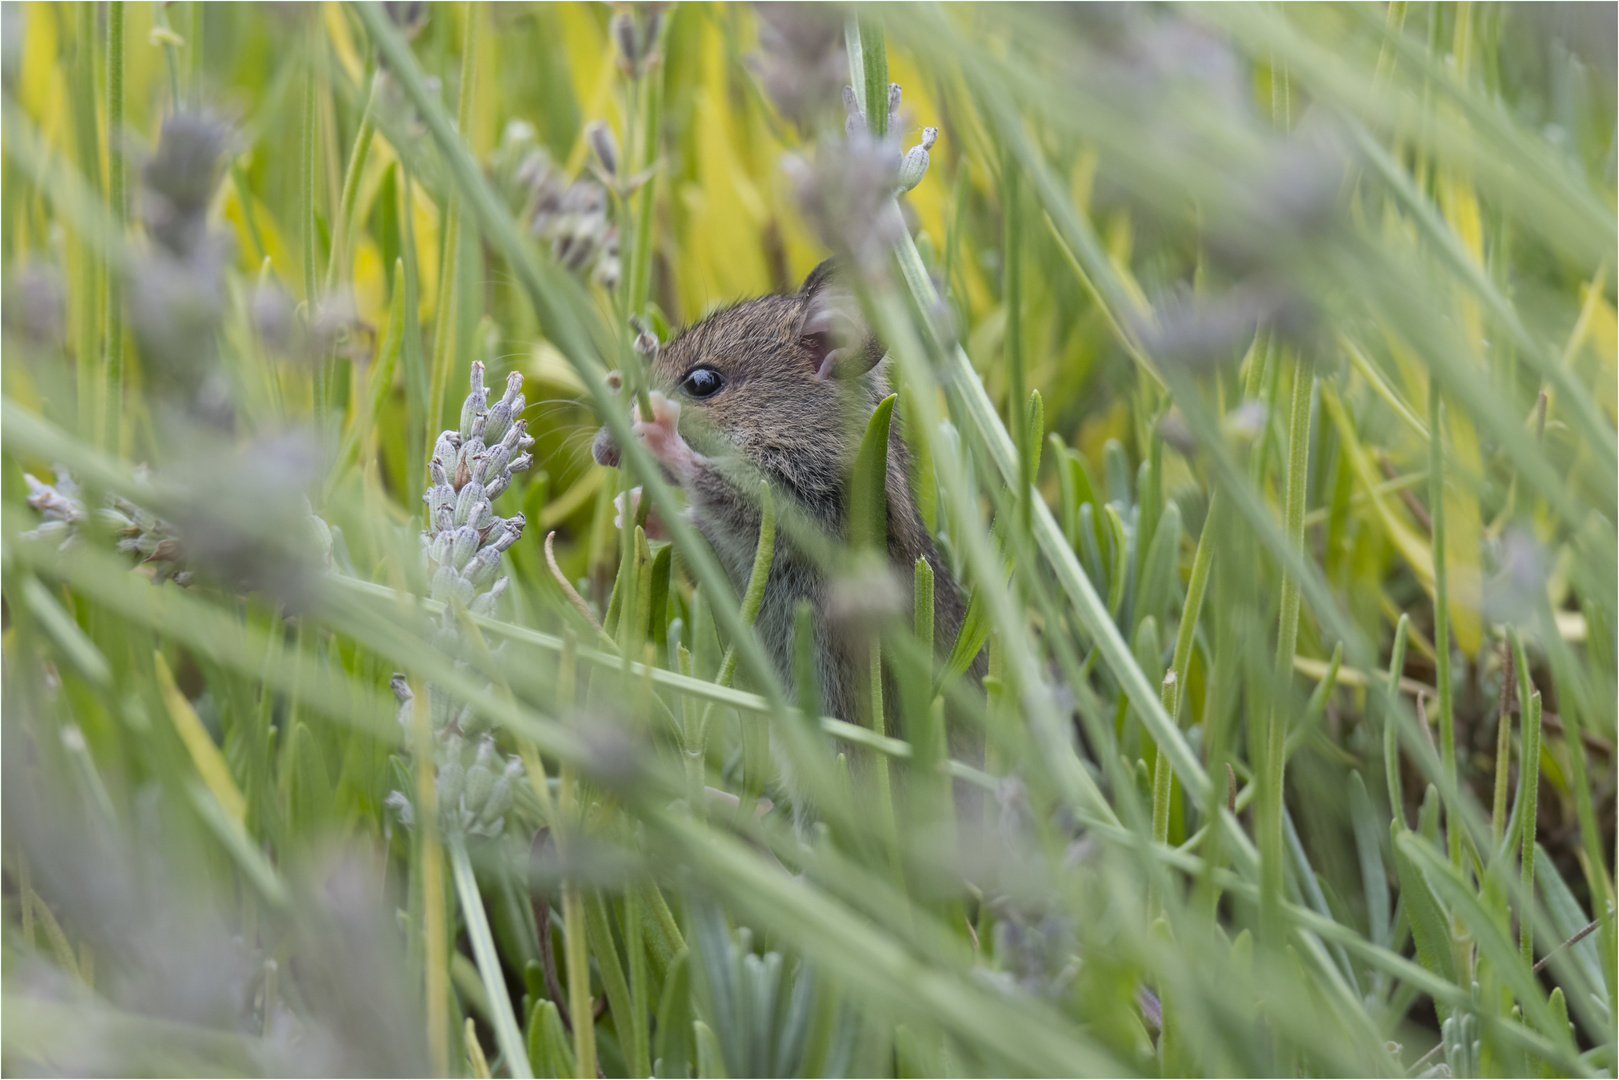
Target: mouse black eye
{"x": 702, "y": 382}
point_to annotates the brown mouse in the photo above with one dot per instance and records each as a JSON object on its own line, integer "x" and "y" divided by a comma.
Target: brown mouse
{"x": 783, "y": 387}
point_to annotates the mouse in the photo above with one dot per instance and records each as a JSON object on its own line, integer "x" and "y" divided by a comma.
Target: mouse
{"x": 782, "y": 387}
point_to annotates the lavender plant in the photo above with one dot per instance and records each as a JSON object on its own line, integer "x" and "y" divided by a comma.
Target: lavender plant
{"x": 471, "y": 467}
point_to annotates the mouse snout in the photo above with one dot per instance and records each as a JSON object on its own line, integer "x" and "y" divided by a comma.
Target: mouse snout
{"x": 604, "y": 449}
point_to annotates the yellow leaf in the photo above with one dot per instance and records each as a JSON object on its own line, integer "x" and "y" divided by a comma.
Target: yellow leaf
{"x": 40, "y": 87}
{"x": 281, "y": 260}
{"x": 370, "y": 287}
{"x": 337, "y": 31}
{"x": 205, "y": 755}
{"x": 1464, "y": 525}
{"x": 590, "y": 64}
{"x": 547, "y": 365}
{"x": 425, "y": 222}
{"x": 1464, "y": 532}
{"x": 1417, "y": 552}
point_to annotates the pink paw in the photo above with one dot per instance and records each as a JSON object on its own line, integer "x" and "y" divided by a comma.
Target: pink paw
{"x": 654, "y": 523}
{"x": 662, "y": 436}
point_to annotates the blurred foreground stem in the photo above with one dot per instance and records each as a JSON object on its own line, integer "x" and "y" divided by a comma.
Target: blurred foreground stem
{"x": 1272, "y": 789}
{"x": 449, "y": 266}
{"x": 431, "y": 870}
{"x": 507, "y": 1034}
{"x": 576, "y": 949}
{"x": 112, "y": 388}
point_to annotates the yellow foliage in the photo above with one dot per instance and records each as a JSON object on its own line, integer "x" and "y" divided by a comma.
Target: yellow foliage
{"x": 205, "y": 755}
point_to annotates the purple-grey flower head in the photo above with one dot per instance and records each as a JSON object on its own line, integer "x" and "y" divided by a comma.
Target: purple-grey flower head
{"x": 847, "y": 194}
{"x": 36, "y": 305}
{"x": 800, "y": 60}
{"x": 635, "y": 39}
{"x": 1517, "y": 589}
{"x": 604, "y": 144}
{"x": 178, "y": 180}
{"x": 176, "y": 287}
{"x": 572, "y": 217}
{"x": 1281, "y": 206}
{"x": 271, "y": 311}
{"x": 1204, "y": 331}
{"x": 243, "y": 517}
{"x": 408, "y": 16}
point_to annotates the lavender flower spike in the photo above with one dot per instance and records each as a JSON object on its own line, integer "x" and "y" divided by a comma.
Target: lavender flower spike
{"x": 462, "y": 546}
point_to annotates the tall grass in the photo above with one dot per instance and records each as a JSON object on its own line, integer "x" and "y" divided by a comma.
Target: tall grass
{"x": 1259, "y": 366}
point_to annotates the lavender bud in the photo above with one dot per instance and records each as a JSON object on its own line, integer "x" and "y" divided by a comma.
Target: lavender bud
{"x": 440, "y": 495}
{"x": 481, "y": 516}
{"x": 497, "y": 485}
{"x": 915, "y": 164}
{"x": 452, "y": 779}
{"x": 116, "y": 521}
{"x": 479, "y": 783}
{"x": 521, "y": 462}
{"x": 496, "y": 460}
{"x": 470, "y": 495}
{"x": 476, "y": 401}
{"x": 496, "y": 422}
{"x": 492, "y": 597}
{"x": 605, "y": 145}
{"x": 854, "y": 123}
{"x": 893, "y": 98}
{"x": 443, "y": 586}
{"x": 482, "y": 569}
{"x": 499, "y": 799}
{"x": 518, "y": 438}
{"x": 629, "y": 50}
{"x": 463, "y": 545}
{"x": 400, "y": 806}
{"x": 514, "y": 390}
{"x": 513, "y": 530}
{"x": 439, "y": 549}
{"x": 443, "y": 517}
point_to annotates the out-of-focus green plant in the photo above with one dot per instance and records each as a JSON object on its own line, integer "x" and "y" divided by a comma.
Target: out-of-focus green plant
{"x": 1258, "y": 365}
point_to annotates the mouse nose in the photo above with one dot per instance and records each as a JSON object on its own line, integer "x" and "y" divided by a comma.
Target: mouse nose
{"x": 604, "y": 449}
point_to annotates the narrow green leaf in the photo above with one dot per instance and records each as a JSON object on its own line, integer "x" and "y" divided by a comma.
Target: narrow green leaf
{"x": 550, "y": 1050}
{"x": 1429, "y": 927}
{"x": 673, "y": 1047}
{"x": 1448, "y": 884}
{"x": 868, "y": 484}
{"x": 1373, "y": 877}
{"x": 970, "y": 639}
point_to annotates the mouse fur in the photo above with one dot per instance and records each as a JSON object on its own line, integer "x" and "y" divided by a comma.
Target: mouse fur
{"x": 802, "y": 377}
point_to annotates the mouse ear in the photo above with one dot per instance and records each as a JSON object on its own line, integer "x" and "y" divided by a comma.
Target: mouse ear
{"x": 832, "y": 327}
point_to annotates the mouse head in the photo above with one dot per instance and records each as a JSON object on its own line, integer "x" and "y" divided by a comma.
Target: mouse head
{"x": 779, "y": 380}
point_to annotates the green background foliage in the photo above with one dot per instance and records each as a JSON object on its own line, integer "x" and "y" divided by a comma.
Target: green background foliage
{"x": 1259, "y": 365}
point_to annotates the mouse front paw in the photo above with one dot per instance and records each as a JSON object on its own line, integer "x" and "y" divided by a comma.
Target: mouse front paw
{"x": 662, "y": 436}
{"x": 621, "y": 519}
